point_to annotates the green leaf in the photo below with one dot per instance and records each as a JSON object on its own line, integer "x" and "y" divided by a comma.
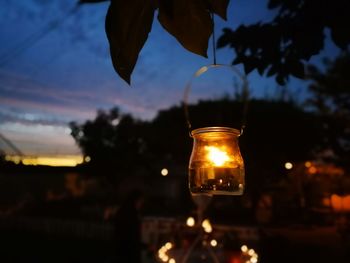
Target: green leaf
{"x": 219, "y": 7}
{"x": 127, "y": 26}
{"x": 189, "y": 22}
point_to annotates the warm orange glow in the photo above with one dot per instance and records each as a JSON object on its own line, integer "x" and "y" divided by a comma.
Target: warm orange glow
{"x": 216, "y": 166}
{"x": 217, "y": 156}
{"x": 312, "y": 170}
{"x": 340, "y": 203}
{"x": 308, "y": 164}
{"x": 65, "y": 161}
{"x": 235, "y": 260}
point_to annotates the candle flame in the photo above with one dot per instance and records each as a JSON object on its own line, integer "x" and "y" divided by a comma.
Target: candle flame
{"x": 217, "y": 156}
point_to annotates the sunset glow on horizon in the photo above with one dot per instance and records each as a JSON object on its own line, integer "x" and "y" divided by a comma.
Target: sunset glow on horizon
{"x": 55, "y": 161}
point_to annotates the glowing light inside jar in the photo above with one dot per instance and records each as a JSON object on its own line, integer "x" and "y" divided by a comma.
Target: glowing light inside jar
{"x": 217, "y": 156}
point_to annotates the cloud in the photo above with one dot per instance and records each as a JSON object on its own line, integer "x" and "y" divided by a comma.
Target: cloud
{"x": 20, "y": 92}
{"x": 40, "y": 139}
{"x": 8, "y": 116}
{"x": 53, "y": 111}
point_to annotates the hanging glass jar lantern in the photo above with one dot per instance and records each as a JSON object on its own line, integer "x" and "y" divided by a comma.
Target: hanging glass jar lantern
{"x": 216, "y": 166}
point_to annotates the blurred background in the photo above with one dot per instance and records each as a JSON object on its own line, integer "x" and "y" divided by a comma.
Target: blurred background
{"x": 75, "y": 140}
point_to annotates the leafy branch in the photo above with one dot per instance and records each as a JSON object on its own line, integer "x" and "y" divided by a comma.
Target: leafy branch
{"x": 278, "y": 48}
{"x": 128, "y": 24}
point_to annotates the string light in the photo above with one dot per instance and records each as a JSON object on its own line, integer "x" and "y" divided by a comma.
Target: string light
{"x": 207, "y": 226}
{"x": 249, "y": 254}
{"x": 190, "y": 221}
{"x": 244, "y": 248}
{"x": 213, "y": 243}
{"x": 168, "y": 245}
{"x": 288, "y": 165}
{"x": 162, "y": 253}
{"x": 164, "y": 172}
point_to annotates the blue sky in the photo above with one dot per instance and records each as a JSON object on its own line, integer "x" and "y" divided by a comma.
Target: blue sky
{"x": 67, "y": 75}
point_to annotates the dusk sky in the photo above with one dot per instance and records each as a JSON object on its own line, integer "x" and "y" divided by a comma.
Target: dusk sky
{"x": 48, "y": 80}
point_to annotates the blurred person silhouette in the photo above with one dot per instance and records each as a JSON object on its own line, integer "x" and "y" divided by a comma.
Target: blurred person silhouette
{"x": 128, "y": 229}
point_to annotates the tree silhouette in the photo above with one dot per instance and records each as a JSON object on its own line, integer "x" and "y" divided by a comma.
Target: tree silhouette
{"x": 281, "y": 47}
{"x": 113, "y": 141}
{"x": 277, "y": 132}
{"x": 331, "y": 99}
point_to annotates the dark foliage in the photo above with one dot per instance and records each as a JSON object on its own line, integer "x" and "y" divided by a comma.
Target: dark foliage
{"x": 278, "y": 48}
{"x": 114, "y": 142}
{"x": 331, "y": 99}
{"x": 281, "y": 47}
{"x": 277, "y": 132}
{"x": 129, "y": 22}
{"x": 127, "y": 26}
{"x": 188, "y": 21}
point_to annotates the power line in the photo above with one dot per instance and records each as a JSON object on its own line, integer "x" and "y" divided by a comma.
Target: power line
{"x": 35, "y": 37}
{"x": 11, "y": 145}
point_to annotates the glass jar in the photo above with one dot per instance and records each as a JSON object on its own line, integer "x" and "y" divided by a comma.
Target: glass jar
{"x": 216, "y": 166}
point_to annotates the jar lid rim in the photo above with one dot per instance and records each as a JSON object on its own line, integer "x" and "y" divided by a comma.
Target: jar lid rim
{"x": 215, "y": 129}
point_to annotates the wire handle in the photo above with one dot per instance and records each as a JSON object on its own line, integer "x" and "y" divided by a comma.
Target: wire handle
{"x": 201, "y": 71}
